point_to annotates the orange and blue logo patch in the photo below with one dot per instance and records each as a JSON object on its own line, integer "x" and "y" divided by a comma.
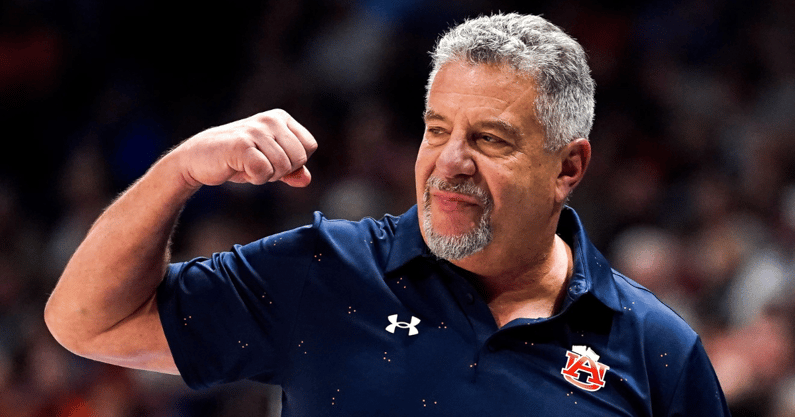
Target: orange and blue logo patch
{"x": 582, "y": 361}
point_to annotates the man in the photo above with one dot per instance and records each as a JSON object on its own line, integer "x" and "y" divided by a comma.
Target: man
{"x": 486, "y": 298}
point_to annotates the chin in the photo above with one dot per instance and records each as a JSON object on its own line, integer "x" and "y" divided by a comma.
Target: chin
{"x": 457, "y": 247}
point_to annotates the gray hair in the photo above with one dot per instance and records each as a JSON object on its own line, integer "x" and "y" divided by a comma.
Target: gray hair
{"x": 532, "y": 46}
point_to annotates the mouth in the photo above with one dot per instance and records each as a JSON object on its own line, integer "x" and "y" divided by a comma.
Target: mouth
{"x": 455, "y": 196}
{"x": 453, "y": 201}
{"x": 456, "y": 218}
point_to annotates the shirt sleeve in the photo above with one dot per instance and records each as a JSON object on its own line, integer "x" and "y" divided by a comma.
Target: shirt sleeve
{"x": 698, "y": 392}
{"x": 229, "y": 317}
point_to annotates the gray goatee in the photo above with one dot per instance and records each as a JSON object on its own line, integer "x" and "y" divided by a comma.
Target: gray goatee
{"x": 457, "y": 247}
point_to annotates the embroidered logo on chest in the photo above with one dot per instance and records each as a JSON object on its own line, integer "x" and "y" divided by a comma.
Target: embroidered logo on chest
{"x": 403, "y": 325}
{"x": 583, "y": 361}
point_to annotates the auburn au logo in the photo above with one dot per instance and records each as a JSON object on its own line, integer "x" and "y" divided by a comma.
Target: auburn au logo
{"x": 583, "y": 361}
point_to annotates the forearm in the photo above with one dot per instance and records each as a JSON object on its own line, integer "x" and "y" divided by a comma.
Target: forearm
{"x": 117, "y": 268}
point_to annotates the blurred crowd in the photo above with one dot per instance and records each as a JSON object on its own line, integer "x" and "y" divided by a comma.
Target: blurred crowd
{"x": 688, "y": 192}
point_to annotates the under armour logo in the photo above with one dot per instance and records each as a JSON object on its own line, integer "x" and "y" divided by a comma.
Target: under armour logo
{"x": 403, "y": 325}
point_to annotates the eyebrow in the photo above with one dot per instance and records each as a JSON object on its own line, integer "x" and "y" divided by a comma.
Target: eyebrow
{"x": 501, "y": 125}
{"x": 429, "y": 114}
{"x": 496, "y": 124}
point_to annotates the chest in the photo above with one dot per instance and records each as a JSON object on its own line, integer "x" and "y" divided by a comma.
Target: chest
{"x": 414, "y": 347}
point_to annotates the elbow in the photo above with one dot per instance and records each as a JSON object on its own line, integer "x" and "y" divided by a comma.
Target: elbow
{"x": 52, "y": 319}
{"x": 62, "y": 329}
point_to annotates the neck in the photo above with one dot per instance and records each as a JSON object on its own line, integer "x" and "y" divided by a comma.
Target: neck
{"x": 533, "y": 289}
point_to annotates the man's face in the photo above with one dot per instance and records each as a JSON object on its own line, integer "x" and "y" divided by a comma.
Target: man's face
{"x": 484, "y": 183}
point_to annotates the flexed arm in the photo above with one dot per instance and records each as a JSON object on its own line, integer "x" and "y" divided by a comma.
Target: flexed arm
{"x": 103, "y": 306}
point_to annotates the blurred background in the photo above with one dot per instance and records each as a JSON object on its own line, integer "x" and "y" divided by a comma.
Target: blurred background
{"x": 691, "y": 190}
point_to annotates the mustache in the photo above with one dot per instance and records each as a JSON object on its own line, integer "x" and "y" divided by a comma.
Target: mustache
{"x": 466, "y": 188}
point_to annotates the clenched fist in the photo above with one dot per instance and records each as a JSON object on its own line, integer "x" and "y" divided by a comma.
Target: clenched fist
{"x": 266, "y": 147}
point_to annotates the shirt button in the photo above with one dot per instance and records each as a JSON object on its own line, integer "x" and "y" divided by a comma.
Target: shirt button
{"x": 576, "y": 288}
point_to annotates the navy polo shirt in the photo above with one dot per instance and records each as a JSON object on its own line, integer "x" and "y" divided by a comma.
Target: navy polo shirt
{"x": 359, "y": 319}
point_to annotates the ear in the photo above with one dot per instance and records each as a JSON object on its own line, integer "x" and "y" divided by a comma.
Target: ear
{"x": 574, "y": 159}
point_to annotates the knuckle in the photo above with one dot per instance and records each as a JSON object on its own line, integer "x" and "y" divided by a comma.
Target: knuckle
{"x": 300, "y": 161}
{"x": 251, "y": 132}
{"x": 257, "y": 167}
{"x": 241, "y": 146}
{"x": 311, "y": 147}
{"x": 271, "y": 117}
{"x": 261, "y": 173}
{"x": 282, "y": 166}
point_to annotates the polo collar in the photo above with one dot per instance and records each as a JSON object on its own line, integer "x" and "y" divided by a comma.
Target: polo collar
{"x": 592, "y": 273}
{"x": 409, "y": 243}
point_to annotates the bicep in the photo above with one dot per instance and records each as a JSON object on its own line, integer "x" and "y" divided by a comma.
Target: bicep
{"x": 230, "y": 316}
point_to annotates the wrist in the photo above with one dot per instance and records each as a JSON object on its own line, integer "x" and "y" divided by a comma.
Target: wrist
{"x": 172, "y": 178}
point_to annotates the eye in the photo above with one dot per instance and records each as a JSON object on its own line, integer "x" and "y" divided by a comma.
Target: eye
{"x": 435, "y": 130}
{"x": 435, "y": 135}
{"x": 491, "y": 139}
{"x": 493, "y": 145}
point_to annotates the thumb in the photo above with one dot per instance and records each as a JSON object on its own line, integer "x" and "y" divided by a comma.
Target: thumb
{"x": 298, "y": 178}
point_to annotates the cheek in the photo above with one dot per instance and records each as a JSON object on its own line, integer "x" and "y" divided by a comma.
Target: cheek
{"x": 422, "y": 169}
{"x": 426, "y": 159}
{"x": 520, "y": 189}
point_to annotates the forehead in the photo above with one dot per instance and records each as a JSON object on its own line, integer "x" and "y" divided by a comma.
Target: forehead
{"x": 495, "y": 91}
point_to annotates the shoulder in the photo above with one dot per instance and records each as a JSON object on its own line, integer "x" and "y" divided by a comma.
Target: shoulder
{"x": 670, "y": 349}
{"x": 681, "y": 378}
{"x": 659, "y": 322}
{"x": 368, "y": 242}
{"x": 346, "y": 229}
{"x": 341, "y": 235}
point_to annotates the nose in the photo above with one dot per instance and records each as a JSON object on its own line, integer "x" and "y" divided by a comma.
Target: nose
{"x": 455, "y": 159}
